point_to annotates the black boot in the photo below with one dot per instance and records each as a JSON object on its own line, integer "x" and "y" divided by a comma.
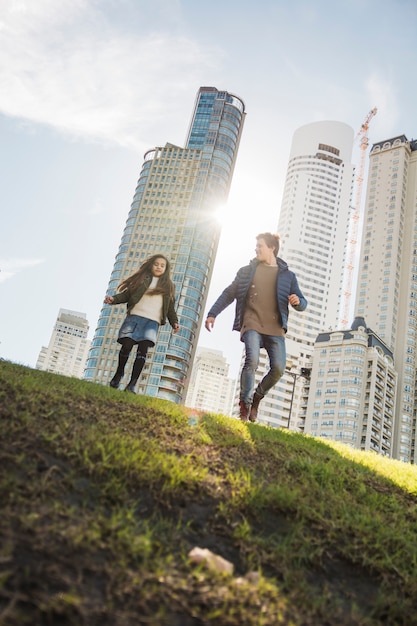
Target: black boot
{"x": 115, "y": 381}
{"x": 123, "y": 357}
{"x": 254, "y": 408}
{"x": 136, "y": 371}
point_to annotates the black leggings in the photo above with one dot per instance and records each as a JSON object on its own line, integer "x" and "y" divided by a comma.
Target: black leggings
{"x": 125, "y": 350}
{"x": 128, "y": 344}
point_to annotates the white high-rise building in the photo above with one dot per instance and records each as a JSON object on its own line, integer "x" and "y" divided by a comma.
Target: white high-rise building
{"x": 68, "y": 347}
{"x": 387, "y": 280}
{"x": 210, "y": 387}
{"x": 314, "y": 228}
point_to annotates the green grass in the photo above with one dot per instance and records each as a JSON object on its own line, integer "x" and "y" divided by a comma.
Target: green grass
{"x": 103, "y": 494}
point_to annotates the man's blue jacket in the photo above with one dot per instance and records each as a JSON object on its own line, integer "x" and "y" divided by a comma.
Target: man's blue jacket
{"x": 287, "y": 284}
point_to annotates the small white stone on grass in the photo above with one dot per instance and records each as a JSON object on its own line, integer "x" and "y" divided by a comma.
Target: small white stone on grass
{"x": 211, "y": 560}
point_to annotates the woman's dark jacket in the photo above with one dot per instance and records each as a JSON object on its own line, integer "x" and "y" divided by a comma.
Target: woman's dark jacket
{"x": 287, "y": 284}
{"x": 133, "y": 297}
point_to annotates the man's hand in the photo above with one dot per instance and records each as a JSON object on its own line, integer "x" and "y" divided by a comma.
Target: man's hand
{"x": 209, "y": 323}
{"x": 294, "y": 299}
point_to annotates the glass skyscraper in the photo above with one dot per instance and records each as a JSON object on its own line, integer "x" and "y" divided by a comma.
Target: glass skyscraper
{"x": 174, "y": 213}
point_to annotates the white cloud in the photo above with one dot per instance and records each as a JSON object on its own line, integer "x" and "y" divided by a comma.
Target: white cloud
{"x": 10, "y": 267}
{"x": 65, "y": 65}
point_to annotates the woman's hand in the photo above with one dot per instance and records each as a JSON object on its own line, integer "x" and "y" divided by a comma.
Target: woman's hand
{"x": 108, "y": 300}
{"x": 209, "y": 323}
{"x": 176, "y": 328}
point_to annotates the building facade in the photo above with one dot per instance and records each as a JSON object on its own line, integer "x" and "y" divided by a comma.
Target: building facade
{"x": 387, "y": 280}
{"x": 211, "y": 388}
{"x": 314, "y": 227}
{"x": 353, "y": 390}
{"x": 68, "y": 347}
{"x": 173, "y": 213}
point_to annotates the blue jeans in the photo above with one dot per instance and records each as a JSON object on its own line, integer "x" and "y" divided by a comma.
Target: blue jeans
{"x": 275, "y": 347}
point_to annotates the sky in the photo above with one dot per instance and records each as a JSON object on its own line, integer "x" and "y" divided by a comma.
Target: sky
{"x": 88, "y": 86}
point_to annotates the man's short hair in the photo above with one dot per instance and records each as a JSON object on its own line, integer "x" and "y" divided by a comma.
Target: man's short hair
{"x": 271, "y": 240}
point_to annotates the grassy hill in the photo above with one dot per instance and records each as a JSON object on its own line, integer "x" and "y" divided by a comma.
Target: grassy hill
{"x": 104, "y": 494}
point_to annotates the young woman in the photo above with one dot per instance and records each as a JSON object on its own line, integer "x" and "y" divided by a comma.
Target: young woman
{"x": 149, "y": 294}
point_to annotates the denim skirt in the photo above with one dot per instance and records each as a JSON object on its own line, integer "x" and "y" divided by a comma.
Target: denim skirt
{"x": 139, "y": 329}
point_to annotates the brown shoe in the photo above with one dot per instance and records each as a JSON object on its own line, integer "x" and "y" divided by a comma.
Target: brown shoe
{"x": 243, "y": 411}
{"x": 254, "y": 408}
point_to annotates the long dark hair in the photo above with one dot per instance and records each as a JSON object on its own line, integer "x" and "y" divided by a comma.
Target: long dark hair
{"x": 165, "y": 284}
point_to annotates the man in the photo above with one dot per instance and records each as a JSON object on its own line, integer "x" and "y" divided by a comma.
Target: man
{"x": 262, "y": 290}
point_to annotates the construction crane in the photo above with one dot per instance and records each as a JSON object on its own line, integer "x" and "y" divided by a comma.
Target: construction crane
{"x": 354, "y": 220}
